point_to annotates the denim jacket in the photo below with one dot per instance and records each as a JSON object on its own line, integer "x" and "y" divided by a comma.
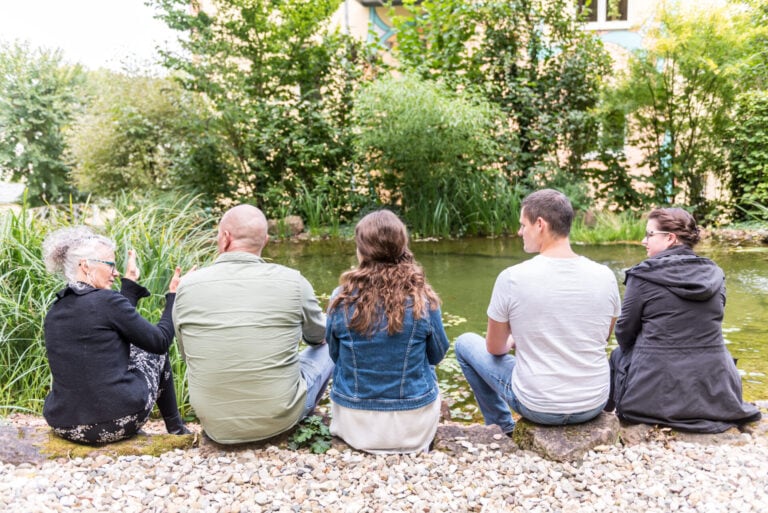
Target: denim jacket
{"x": 385, "y": 372}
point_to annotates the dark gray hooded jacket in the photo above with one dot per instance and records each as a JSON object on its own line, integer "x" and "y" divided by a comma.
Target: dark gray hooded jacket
{"x": 672, "y": 367}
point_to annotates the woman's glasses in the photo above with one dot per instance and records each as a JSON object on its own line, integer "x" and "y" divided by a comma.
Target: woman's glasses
{"x": 650, "y": 234}
{"x": 111, "y": 265}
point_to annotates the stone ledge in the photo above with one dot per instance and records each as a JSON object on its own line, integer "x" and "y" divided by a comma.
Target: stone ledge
{"x": 34, "y": 442}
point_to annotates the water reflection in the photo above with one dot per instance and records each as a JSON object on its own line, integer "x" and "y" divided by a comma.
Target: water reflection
{"x": 463, "y": 273}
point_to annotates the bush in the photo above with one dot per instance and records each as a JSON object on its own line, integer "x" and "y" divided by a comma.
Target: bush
{"x": 279, "y": 82}
{"x": 121, "y": 141}
{"x": 429, "y": 153}
{"x": 749, "y": 155}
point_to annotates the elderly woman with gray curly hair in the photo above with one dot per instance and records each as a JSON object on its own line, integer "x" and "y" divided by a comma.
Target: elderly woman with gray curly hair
{"x": 109, "y": 364}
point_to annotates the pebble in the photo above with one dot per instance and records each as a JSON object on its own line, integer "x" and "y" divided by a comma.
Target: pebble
{"x": 651, "y": 477}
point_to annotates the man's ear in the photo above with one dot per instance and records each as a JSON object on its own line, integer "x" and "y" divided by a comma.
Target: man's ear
{"x": 226, "y": 240}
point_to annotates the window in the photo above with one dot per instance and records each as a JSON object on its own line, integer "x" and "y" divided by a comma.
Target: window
{"x": 601, "y": 11}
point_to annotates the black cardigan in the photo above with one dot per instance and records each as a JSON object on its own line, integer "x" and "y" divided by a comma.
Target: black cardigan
{"x": 88, "y": 334}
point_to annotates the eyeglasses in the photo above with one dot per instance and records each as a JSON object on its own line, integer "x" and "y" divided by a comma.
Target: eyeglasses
{"x": 650, "y": 234}
{"x": 111, "y": 265}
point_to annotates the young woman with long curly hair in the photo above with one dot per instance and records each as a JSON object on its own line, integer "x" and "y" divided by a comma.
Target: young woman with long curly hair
{"x": 385, "y": 334}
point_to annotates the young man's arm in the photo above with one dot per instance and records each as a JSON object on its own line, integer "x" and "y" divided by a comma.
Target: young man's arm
{"x": 497, "y": 340}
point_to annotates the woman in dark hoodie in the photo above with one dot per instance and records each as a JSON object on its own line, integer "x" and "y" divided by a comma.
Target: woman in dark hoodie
{"x": 671, "y": 367}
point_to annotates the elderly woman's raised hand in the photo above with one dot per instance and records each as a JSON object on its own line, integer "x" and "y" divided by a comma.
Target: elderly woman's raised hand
{"x": 176, "y": 278}
{"x": 131, "y": 269}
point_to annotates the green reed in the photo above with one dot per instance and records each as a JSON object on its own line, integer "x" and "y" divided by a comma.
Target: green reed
{"x": 320, "y": 214}
{"x": 483, "y": 203}
{"x": 604, "y": 227}
{"x": 26, "y": 290}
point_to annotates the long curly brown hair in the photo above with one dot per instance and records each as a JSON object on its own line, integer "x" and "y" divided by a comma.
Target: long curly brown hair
{"x": 385, "y": 279}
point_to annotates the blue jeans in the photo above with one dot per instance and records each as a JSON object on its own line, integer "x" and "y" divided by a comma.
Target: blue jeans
{"x": 490, "y": 377}
{"x": 316, "y": 369}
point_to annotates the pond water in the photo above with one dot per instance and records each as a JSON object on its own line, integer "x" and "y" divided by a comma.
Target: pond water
{"x": 463, "y": 273}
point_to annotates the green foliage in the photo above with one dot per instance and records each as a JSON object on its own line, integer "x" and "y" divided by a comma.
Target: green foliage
{"x": 749, "y": 155}
{"x": 164, "y": 232}
{"x": 754, "y": 75}
{"x": 38, "y": 98}
{"x": 602, "y": 227}
{"x": 612, "y": 181}
{"x": 133, "y": 134}
{"x": 26, "y": 290}
{"x": 678, "y": 93}
{"x": 529, "y": 58}
{"x": 280, "y": 84}
{"x": 312, "y": 433}
{"x": 429, "y": 153}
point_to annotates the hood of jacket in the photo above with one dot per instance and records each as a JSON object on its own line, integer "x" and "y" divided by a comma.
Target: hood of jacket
{"x": 682, "y": 272}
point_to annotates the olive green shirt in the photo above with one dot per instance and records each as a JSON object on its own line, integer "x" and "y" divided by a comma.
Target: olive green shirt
{"x": 238, "y": 324}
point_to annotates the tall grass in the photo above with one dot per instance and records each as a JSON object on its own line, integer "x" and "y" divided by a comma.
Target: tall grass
{"x": 319, "y": 213}
{"x": 165, "y": 233}
{"x": 494, "y": 205}
{"x": 608, "y": 227}
{"x": 26, "y": 290}
{"x": 483, "y": 203}
{"x": 754, "y": 214}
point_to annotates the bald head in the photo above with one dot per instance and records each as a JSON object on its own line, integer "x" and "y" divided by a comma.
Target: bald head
{"x": 243, "y": 228}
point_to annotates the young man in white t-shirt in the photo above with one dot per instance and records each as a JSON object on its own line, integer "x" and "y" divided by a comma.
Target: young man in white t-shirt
{"x": 557, "y": 311}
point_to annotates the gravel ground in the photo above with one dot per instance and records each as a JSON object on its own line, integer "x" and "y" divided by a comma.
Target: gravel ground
{"x": 649, "y": 477}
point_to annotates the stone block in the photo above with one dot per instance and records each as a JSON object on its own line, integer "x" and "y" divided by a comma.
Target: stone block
{"x": 633, "y": 434}
{"x": 35, "y": 444}
{"x": 567, "y": 443}
{"x": 291, "y": 226}
{"x": 456, "y": 438}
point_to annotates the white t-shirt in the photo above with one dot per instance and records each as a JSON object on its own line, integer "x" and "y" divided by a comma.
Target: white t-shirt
{"x": 559, "y": 311}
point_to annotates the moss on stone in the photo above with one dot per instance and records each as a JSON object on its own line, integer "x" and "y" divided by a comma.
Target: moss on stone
{"x": 521, "y": 435}
{"x": 140, "y": 445}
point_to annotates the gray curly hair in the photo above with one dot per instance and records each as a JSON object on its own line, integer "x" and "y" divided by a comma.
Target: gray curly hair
{"x": 64, "y": 248}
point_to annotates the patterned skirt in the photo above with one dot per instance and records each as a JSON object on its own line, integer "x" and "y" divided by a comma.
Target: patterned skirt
{"x": 154, "y": 369}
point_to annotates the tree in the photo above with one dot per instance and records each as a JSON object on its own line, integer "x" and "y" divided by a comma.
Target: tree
{"x": 531, "y": 59}
{"x": 678, "y": 95}
{"x": 749, "y": 155}
{"x": 146, "y": 133}
{"x": 748, "y": 134}
{"x": 280, "y": 84}
{"x": 39, "y": 96}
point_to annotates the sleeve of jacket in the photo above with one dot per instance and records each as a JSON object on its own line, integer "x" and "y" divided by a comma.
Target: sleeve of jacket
{"x": 631, "y": 318}
{"x": 437, "y": 342}
{"x": 132, "y": 291}
{"x": 331, "y": 340}
{"x": 330, "y": 337}
{"x": 136, "y": 329}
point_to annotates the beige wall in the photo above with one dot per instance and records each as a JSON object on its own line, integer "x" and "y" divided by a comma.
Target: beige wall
{"x": 357, "y": 18}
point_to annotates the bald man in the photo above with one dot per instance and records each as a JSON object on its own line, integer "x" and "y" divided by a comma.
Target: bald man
{"x": 239, "y": 323}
